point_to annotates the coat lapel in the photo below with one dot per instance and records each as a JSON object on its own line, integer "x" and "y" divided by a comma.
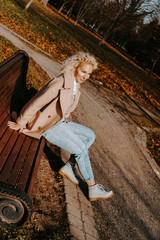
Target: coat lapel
{"x": 69, "y": 79}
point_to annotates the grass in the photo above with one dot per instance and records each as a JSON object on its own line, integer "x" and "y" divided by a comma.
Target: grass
{"x": 7, "y": 49}
{"x": 56, "y": 35}
{"x": 153, "y": 144}
{"x": 36, "y": 76}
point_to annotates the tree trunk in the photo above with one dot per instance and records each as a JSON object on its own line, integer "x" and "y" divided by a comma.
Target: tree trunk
{"x": 81, "y": 11}
{"x": 44, "y": 2}
{"x": 154, "y": 64}
{"x": 93, "y": 25}
{"x": 75, "y": 23}
{"x": 70, "y": 10}
{"x": 28, "y": 5}
{"x": 97, "y": 29}
{"x": 108, "y": 33}
{"x": 61, "y": 8}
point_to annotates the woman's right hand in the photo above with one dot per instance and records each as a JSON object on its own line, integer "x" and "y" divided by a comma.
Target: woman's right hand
{"x": 14, "y": 126}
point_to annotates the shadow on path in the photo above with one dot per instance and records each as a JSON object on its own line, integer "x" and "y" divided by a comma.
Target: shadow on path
{"x": 53, "y": 155}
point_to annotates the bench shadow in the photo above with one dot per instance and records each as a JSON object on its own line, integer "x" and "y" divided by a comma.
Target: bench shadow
{"x": 83, "y": 187}
{"x": 53, "y": 155}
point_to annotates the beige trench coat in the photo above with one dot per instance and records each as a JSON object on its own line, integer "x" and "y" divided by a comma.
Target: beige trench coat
{"x": 48, "y": 106}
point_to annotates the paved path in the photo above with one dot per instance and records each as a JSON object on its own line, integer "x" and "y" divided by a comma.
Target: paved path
{"x": 120, "y": 162}
{"x": 79, "y": 209}
{"x": 50, "y": 66}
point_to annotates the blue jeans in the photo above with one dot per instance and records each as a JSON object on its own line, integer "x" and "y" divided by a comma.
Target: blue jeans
{"x": 76, "y": 139}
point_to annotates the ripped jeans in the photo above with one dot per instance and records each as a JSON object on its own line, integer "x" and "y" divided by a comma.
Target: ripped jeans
{"x": 76, "y": 139}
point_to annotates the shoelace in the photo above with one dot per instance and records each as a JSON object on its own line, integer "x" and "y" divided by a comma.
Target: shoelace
{"x": 101, "y": 187}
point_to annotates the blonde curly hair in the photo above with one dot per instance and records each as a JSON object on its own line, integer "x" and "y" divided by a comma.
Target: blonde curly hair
{"x": 74, "y": 61}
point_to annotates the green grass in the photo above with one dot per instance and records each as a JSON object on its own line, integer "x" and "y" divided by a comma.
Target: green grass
{"x": 6, "y": 48}
{"x": 56, "y": 35}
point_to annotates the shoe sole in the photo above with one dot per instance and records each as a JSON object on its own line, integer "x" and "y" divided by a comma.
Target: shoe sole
{"x": 94, "y": 199}
{"x": 63, "y": 174}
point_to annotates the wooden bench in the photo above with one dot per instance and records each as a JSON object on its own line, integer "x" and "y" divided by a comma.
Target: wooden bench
{"x": 19, "y": 154}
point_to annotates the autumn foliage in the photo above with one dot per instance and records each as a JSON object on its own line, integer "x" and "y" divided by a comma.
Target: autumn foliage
{"x": 55, "y": 35}
{"x": 153, "y": 144}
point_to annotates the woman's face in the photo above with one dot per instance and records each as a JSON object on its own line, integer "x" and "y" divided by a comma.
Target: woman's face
{"x": 83, "y": 72}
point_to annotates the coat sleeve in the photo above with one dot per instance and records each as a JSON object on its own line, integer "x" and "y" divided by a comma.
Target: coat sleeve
{"x": 43, "y": 97}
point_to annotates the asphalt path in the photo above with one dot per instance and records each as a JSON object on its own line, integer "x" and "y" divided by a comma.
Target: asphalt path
{"x": 121, "y": 163}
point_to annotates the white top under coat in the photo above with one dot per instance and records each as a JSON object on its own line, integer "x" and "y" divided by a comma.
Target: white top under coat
{"x": 75, "y": 87}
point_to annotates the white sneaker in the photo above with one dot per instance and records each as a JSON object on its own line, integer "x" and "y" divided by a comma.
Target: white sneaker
{"x": 69, "y": 171}
{"x": 98, "y": 192}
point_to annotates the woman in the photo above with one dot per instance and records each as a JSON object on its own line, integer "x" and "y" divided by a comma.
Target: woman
{"x": 47, "y": 115}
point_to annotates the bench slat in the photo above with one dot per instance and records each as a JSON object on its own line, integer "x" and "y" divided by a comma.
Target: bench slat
{"x": 37, "y": 162}
{"x": 3, "y": 116}
{"x": 5, "y": 92}
{"x": 5, "y": 107}
{"x": 12, "y": 158}
{"x": 28, "y": 165}
{"x": 8, "y": 80}
{"x": 11, "y": 66}
{"x": 6, "y": 151}
{"x": 5, "y": 98}
{"x": 19, "y": 163}
{"x": 3, "y": 130}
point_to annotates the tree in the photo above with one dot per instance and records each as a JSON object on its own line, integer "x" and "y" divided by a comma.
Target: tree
{"x": 83, "y": 9}
{"x": 70, "y": 9}
{"x": 119, "y": 12}
{"x": 28, "y": 5}
{"x": 154, "y": 44}
{"x": 64, "y": 4}
{"x": 44, "y": 2}
{"x": 94, "y": 15}
{"x": 143, "y": 45}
